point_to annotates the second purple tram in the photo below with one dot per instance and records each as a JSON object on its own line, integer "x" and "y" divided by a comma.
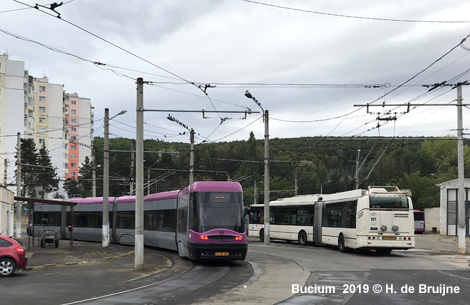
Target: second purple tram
{"x": 203, "y": 221}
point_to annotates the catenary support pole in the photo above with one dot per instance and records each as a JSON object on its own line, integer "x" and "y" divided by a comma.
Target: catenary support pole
{"x": 139, "y": 175}
{"x": 105, "y": 226}
{"x": 18, "y": 185}
{"x": 266, "y": 178}
{"x": 461, "y": 176}
{"x": 191, "y": 158}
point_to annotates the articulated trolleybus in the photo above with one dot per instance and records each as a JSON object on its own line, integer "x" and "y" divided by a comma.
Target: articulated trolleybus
{"x": 202, "y": 221}
{"x": 375, "y": 219}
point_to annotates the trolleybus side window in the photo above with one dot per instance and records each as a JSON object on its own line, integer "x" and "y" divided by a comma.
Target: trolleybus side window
{"x": 389, "y": 202}
{"x": 352, "y": 215}
{"x": 333, "y": 215}
{"x": 256, "y": 216}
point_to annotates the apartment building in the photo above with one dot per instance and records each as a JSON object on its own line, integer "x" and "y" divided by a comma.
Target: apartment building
{"x": 42, "y": 111}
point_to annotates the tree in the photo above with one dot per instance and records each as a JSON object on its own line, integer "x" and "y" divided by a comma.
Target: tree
{"x": 48, "y": 180}
{"x": 85, "y": 177}
{"x": 29, "y": 171}
{"x": 71, "y": 186}
{"x": 425, "y": 193}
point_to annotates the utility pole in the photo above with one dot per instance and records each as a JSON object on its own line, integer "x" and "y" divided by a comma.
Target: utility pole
{"x": 357, "y": 169}
{"x": 18, "y": 185}
{"x": 266, "y": 168}
{"x": 461, "y": 176}
{"x": 266, "y": 179}
{"x": 94, "y": 170}
{"x": 255, "y": 199}
{"x": 105, "y": 231}
{"x": 139, "y": 178}
{"x": 295, "y": 183}
{"x": 5, "y": 173}
{"x": 191, "y": 158}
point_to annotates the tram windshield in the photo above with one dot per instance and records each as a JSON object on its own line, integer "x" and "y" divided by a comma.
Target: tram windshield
{"x": 221, "y": 210}
{"x": 388, "y": 202}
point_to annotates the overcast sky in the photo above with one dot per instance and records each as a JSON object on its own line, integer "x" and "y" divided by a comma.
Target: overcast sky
{"x": 308, "y": 65}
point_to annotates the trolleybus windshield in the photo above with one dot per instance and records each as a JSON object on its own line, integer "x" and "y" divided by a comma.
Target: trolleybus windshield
{"x": 389, "y": 202}
{"x": 220, "y": 211}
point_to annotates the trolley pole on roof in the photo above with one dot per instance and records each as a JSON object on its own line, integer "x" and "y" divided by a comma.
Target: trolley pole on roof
{"x": 139, "y": 177}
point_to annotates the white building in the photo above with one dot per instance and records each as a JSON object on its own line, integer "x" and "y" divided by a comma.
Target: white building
{"x": 39, "y": 110}
{"x": 449, "y": 207}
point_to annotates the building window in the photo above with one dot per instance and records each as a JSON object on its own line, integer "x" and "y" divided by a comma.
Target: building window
{"x": 73, "y": 129}
{"x": 42, "y": 141}
{"x": 66, "y": 165}
{"x": 66, "y": 146}
{"x": 66, "y": 156}
{"x": 42, "y": 109}
{"x": 42, "y": 98}
{"x": 73, "y": 147}
{"x": 42, "y": 88}
{"x": 73, "y": 111}
{"x": 72, "y": 174}
{"x": 73, "y": 164}
{"x": 42, "y": 130}
{"x": 72, "y": 156}
{"x": 73, "y": 102}
{"x": 73, "y": 138}
{"x": 73, "y": 120}
{"x": 42, "y": 120}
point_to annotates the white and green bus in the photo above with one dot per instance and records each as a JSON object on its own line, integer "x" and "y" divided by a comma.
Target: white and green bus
{"x": 376, "y": 218}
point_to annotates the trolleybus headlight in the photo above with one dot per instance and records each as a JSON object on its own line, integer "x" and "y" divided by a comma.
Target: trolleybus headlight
{"x": 383, "y": 228}
{"x": 395, "y": 228}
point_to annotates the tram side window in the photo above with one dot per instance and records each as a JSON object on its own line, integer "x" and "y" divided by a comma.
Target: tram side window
{"x": 126, "y": 220}
{"x": 88, "y": 219}
{"x": 47, "y": 218}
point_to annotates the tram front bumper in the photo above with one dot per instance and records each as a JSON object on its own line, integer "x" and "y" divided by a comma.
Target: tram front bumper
{"x": 217, "y": 251}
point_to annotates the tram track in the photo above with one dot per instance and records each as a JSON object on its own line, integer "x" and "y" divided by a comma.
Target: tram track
{"x": 197, "y": 277}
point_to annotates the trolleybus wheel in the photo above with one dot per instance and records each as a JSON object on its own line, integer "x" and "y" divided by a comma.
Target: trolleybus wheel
{"x": 302, "y": 238}
{"x": 341, "y": 246}
{"x": 261, "y": 235}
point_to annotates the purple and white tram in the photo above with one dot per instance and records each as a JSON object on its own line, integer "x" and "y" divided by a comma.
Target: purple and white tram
{"x": 201, "y": 221}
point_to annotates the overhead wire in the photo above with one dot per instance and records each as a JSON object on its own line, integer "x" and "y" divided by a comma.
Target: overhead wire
{"x": 125, "y": 50}
{"x": 350, "y": 16}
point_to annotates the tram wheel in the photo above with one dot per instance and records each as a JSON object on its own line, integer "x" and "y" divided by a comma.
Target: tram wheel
{"x": 180, "y": 249}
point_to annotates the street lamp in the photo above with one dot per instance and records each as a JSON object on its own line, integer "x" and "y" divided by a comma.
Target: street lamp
{"x": 266, "y": 168}
{"x": 105, "y": 232}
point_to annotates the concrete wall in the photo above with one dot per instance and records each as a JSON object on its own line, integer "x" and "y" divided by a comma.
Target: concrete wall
{"x": 6, "y": 212}
{"x": 432, "y": 218}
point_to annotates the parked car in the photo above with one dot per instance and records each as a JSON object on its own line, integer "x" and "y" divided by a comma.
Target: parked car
{"x": 12, "y": 256}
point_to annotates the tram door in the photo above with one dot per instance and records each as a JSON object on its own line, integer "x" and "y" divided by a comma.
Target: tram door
{"x": 317, "y": 222}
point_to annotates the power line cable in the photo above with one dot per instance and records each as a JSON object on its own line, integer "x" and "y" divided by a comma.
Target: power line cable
{"x": 350, "y": 16}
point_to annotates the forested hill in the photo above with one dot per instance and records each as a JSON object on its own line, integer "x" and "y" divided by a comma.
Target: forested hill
{"x": 323, "y": 164}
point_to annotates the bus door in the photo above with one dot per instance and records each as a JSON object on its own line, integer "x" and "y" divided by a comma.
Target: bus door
{"x": 317, "y": 222}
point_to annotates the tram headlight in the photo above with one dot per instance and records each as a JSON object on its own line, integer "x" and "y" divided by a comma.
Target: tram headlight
{"x": 204, "y": 237}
